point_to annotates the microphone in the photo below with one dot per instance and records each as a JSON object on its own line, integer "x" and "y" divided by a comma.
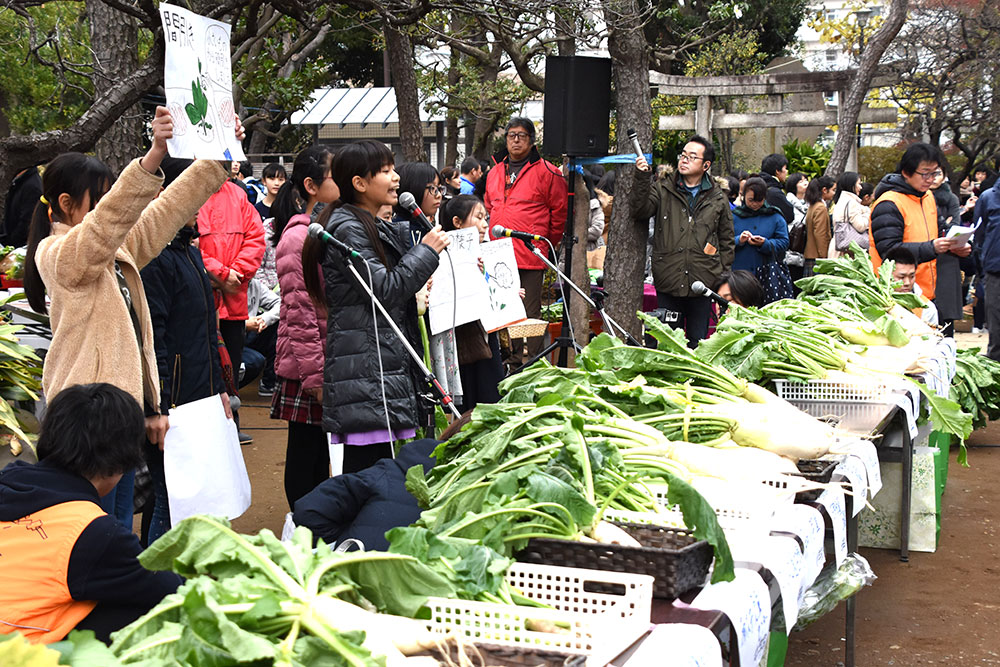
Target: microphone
{"x": 409, "y": 202}
{"x": 316, "y": 231}
{"x": 635, "y": 141}
{"x": 499, "y": 231}
{"x": 698, "y": 287}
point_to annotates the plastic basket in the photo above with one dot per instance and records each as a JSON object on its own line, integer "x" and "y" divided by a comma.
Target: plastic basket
{"x": 675, "y": 558}
{"x": 751, "y": 514}
{"x": 602, "y": 612}
{"x": 833, "y": 391}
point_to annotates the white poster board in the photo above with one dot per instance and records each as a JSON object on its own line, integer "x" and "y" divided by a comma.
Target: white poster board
{"x": 198, "y": 78}
{"x": 203, "y": 462}
{"x": 502, "y": 284}
{"x": 467, "y": 284}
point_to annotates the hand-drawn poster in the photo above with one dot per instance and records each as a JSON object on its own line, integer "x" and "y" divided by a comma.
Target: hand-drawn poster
{"x": 503, "y": 284}
{"x": 198, "y": 78}
{"x": 444, "y": 310}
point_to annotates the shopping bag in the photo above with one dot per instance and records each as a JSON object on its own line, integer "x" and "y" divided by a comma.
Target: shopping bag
{"x": 776, "y": 281}
{"x": 203, "y": 463}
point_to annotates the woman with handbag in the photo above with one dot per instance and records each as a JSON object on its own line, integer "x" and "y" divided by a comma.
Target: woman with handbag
{"x": 761, "y": 241}
{"x": 818, "y": 194}
{"x": 850, "y": 216}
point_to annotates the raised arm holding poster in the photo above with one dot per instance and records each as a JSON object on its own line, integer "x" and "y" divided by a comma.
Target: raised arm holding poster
{"x": 198, "y": 78}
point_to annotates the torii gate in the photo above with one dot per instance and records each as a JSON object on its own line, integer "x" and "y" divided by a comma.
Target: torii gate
{"x": 775, "y": 87}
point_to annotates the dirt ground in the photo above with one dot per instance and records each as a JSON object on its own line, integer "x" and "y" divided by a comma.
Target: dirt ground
{"x": 939, "y": 608}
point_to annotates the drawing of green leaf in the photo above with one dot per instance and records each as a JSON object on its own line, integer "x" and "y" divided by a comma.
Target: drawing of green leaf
{"x": 192, "y": 114}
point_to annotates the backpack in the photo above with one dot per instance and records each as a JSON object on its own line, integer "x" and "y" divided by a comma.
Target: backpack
{"x": 797, "y": 237}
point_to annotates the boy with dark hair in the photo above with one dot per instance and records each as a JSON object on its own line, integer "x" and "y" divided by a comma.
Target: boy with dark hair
{"x": 66, "y": 563}
{"x": 472, "y": 171}
{"x": 774, "y": 171}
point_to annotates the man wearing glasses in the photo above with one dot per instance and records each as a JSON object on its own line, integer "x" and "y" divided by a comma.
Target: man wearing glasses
{"x": 904, "y": 215}
{"x": 693, "y": 238}
{"x": 528, "y": 194}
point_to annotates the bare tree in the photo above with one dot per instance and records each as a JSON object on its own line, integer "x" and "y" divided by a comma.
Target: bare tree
{"x": 853, "y": 99}
{"x": 404, "y": 81}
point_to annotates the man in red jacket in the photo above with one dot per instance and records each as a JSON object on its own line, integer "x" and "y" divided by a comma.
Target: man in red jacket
{"x": 529, "y": 194}
{"x": 232, "y": 246}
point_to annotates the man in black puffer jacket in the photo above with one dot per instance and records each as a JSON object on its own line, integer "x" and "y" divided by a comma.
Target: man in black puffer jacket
{"x": 364, "y": 505}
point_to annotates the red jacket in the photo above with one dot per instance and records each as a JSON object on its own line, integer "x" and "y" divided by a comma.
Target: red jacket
{"x": 535, "y": 203}
{"x": 232, "y": 238}
{"x": 302, "y": 328}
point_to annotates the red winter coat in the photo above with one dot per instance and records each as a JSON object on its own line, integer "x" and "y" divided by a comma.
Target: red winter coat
{"x": 232, "y": 238}
{"x": 301, "y": 328}
{"x": 535, "y": 203}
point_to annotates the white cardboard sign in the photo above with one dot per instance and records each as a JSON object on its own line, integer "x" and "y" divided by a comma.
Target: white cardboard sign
{"x": 503, "y": 284}
{"x": 459, "y": 293}
{"x": 198, "y": 78}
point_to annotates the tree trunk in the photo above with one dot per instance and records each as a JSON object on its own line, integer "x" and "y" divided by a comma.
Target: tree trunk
{"x": 486, "y": 122}
{"x": 857, "y": 90}
{"x": 625, "y": 263}
{"x": 404, "y": 80}
{"x": 114, "y": 49}
{"x": 451, "y": 122}
{"x": 579, "y": 310}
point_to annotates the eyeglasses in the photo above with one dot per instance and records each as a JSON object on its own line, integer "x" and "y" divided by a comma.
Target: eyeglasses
{"x": 930, "y": 175}
{"x": 436, "y": 189}
{"x": 689, "y": 157}
{"x": 521, "y": 136}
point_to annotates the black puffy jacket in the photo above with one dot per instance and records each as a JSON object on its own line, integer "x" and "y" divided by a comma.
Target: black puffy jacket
{"x": 364, "y": 505}
{"x": 776, "y": 197}
{"x": 352, "y": 381}
{"x": 182, "y": 311}
{"x": 887, "y": 224}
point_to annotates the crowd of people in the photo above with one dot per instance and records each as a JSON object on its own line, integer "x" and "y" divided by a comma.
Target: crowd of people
{"x": 206, "y": 278}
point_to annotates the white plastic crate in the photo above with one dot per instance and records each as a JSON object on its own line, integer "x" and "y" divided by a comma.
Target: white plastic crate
{"x": 601, "y": 612}
{"x": 751, "y": 513}
{"x": 834, "y": 391}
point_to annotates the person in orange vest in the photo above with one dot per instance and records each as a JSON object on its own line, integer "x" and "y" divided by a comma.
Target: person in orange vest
{"x": 64, "y": 562}
{"x": 905, "y": 216}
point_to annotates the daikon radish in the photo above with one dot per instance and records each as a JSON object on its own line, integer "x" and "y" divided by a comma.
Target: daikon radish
{"x": 783, "y": 430}
{"x": 734, "y": 463}
{"x": 607, "y": 533}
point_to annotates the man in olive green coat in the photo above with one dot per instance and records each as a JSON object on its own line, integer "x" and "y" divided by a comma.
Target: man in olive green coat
{"x": 693, "y": 236}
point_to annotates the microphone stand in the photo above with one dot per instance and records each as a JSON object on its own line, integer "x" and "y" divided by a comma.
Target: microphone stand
{"x": 443, "y": 396}
{"x": 610, "y": 325}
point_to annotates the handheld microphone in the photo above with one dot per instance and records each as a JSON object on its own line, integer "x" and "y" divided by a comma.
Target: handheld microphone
{"x": 499, "y": 231}
{"x": 635, "y": 141}
{"x": 409, "y": 202}
{"x": 699, "y": 288}
{"x": 316, "y": 231}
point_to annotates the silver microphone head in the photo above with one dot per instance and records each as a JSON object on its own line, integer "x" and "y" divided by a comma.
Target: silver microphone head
{"x": 408, "y": 201}
{"x": 698, "y": 287}
{"x": 315, "y": 229}
{"x": 498, "y": 231}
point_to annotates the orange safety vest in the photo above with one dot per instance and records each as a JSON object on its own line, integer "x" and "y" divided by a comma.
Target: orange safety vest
{"x": 34, "y": 563}
{"x": 919, "y": 225}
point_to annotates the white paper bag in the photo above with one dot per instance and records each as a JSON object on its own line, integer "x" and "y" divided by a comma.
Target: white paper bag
{"x": 203, "y": 463}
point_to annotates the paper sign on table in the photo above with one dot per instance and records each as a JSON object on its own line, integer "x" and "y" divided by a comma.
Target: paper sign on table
{"x": 461, "y": 273}
{"x": 688, "y": 645}
{"x": 747, "y": 603}
{"x": 833, "y": 500}
{"x": 203, "y": 462}
{"x": 503, "y": 283}
{"x": 852, "y": 470}
{"x": 198, "y": 78}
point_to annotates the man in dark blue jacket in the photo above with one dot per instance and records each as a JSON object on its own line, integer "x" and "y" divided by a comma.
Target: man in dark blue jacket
{"x": 987, "y": 214}
{"x": 366, "y": 504}
{"x": 185, "y": 338}
{"x": 64, "y": 562}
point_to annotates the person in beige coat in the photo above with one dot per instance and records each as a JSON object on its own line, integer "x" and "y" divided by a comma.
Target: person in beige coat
{"x": 86, "y": 246}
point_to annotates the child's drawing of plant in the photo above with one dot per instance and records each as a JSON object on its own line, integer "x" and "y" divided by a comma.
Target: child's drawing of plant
{"x": 197, "y": 111}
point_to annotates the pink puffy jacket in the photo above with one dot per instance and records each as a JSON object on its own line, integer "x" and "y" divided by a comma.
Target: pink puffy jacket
{"x": 301, "y": 329}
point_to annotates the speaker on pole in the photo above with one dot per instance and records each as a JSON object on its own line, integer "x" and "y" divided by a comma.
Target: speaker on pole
{"x": 577, "y": 106}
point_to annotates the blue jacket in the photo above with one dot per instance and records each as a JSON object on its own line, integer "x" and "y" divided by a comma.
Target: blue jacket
{"x": 988, "y": 209}
{"x": 182, "y": 310}
{"x": 466, "y": 187}
{"x": 767, "y": 222}
{"x": 364, "y": 505}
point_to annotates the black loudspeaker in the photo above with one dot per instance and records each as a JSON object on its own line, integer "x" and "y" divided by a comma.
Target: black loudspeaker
{"x": 577, "y": 106}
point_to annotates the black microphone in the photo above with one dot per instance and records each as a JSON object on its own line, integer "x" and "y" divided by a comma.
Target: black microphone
{"x": 409, "y": 202}
{"x": 635, "y": 141}
{"x": 316, "y": 231}
{"x": 499, "y": 231}
{"x": 699, "y": 287}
